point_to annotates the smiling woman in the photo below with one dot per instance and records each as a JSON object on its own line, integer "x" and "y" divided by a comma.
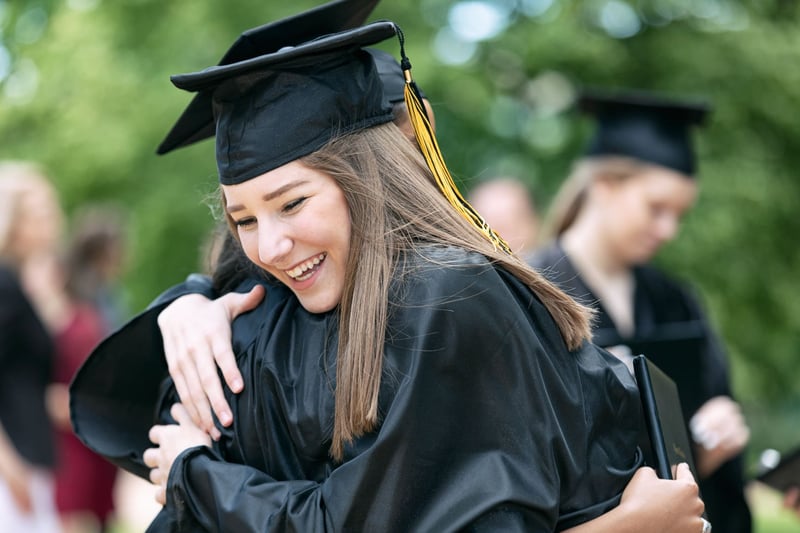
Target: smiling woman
{"x": 294, "y": 223}
{"x": 405, "y": 372}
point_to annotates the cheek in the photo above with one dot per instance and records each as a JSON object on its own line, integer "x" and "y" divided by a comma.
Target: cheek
{"x": 249, "y": 244}
{"x": 633, "y": 213}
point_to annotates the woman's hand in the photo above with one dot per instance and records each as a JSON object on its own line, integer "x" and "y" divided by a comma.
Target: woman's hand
{"x": 18, "y": 479}
{"x": 653, "y": 505}
{"x": 791, "y": 500}
{"x": 720, "y": 432}
{"x": 171, "y": 441}
{"x": 57, "y": 402}
{"x": 663, "y": 505}
{"x": 16, "y": 473}
{"x": 197, "y": 339}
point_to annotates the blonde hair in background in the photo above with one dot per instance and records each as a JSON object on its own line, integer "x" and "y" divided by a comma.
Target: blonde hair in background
{"x": 571, "y": 197}
{"x": 16, "y": 179}
{"x": 396, "y": 209}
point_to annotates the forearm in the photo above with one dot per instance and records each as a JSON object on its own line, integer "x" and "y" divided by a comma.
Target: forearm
{"x": 220, "y": 496}
{"x": 10, "y": 460}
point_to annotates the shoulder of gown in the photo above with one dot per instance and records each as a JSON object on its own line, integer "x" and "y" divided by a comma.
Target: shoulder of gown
{"x": 116, "y": 394}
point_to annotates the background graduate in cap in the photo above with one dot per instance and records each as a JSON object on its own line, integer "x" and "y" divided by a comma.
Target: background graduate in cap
{"x": 405, "y": 373}
{"x": 624, "y": 199}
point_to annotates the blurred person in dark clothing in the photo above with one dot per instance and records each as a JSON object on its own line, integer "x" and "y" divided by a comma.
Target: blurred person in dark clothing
{"x": 30, "y": 227}
{"x": 626, "y": 198}
{"x": 84, "y": 481}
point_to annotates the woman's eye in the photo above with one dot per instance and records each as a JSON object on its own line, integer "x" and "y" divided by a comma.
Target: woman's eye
{"x": 294, "y": 204}
{"x": 245, "y": 223}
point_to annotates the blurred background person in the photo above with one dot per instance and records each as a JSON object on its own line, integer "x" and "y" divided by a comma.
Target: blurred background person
{"x": 96, "y": 261}
{"x": 30, "y": 228}
{"x": 508, "y": 207}
{"x": 84, "y": 481}
{"x": 623, "y": 201}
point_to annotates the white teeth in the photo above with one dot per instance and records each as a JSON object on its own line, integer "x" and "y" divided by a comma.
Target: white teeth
{"x": 297, "y": 272}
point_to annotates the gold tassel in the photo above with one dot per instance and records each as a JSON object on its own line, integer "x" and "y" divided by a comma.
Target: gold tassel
{"x": 433, "y": 155}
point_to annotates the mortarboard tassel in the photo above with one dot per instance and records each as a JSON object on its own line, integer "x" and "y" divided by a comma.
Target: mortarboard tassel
{"x": 433, "y": 155}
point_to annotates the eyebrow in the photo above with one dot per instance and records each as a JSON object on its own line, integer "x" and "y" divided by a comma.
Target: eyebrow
{"x": 270, "y": 195}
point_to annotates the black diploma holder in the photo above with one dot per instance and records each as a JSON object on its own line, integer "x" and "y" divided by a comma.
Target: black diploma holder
{"x": 669, "y": 439}
{"x": 784, "y": 475}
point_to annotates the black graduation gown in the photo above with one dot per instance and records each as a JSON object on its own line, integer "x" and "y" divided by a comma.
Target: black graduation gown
{"x": 26, "y": 359}
{"x": 663, "y": 305}
{"x": 488, "y": 422}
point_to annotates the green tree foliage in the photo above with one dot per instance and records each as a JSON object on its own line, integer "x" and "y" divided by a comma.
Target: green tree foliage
{"x": 84, "y": 89}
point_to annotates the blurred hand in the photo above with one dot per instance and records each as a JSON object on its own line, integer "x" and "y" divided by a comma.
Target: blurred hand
{"x": 171, "y": 441}
{"x": 720, "y": 432}
{"x": 791, "y": 500}
{"x": 57, "y": 402}
{"x": 17, "y": 476}
{"x": 197, "y": 340}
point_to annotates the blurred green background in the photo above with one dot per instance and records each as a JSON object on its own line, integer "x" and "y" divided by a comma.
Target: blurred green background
{"x": 84, "y": 90}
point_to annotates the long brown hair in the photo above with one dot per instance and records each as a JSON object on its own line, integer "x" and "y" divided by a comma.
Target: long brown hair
{"x": 394, "y": 207}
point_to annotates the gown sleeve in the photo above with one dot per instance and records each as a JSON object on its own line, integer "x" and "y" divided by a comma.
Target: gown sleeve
{"x": 486, "y": 427}
{"x": 113, "y": 394}
{"x": 715, "y": 359}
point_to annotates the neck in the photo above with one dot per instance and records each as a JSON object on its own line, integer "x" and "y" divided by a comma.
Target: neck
{"x": 585, "y": 245}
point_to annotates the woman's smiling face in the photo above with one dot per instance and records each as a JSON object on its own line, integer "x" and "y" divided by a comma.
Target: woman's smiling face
{"x": 294, "y": 223}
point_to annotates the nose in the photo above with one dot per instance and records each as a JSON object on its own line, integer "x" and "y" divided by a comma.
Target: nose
{"x": 274, "y": 243}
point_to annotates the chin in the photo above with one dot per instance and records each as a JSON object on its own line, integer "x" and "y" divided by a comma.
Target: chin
{"x": 641, "y": 258}
{"x": 317, "y": 305}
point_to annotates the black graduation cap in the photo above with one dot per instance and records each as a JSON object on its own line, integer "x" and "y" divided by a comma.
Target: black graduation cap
{"x": 277, "y": 107}
{"x": 197, "y": 121}
{"x": 391, "y": 75}
{"x": 644, "y": 126}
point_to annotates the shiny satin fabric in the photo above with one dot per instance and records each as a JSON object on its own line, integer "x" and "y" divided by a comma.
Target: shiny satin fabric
{"x": 488, "y": 423}
{"x": 663, "y": 307}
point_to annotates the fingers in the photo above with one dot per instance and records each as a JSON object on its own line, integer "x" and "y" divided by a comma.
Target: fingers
{"x": 150, "y": 457}
{"x": 154, "y": 435}
{"x": 192, "y": 434}
{"x": 236, "y": 304}
{"x": 646, "y": 472}
{"x": 161, "y": 495}
{"x": 197, "y": 340}
{"x": 181, "y": 416}
{"x": 199, "y": 373}
{"x": 719, "y": 423}
{"x": 157, "y": 477}
{"x": 174, "y": 352}
{"x": 226, "y": 361}
{"x": 684, "y": 473}
{"x": 791, "y": 499}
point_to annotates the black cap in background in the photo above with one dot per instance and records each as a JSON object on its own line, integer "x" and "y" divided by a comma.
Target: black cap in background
{"x": 644, "y": 126}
